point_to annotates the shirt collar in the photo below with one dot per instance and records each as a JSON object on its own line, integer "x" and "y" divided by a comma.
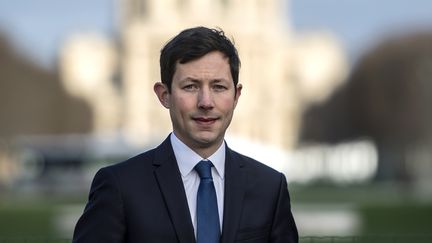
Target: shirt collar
{"x": 187, "y": 158}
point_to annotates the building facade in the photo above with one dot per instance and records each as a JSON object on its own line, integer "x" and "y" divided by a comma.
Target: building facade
{"x": 281, "y": 72}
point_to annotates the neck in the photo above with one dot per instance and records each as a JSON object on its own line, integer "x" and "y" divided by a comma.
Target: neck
{"x": 206, "y": 152}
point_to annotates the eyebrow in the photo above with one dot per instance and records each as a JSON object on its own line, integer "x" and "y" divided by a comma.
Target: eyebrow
{"x": 189, "y": 79}
{"x": 194, "y": 80}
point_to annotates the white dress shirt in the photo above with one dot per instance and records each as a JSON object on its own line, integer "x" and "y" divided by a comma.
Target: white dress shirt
{"x": 187, "y": 159}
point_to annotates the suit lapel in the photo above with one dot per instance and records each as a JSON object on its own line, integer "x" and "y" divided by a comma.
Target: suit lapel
{"x": 235, "y": 184}
{"x": 171, "y": 185}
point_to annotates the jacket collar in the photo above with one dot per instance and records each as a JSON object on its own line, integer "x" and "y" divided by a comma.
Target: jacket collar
{"x": 171, "y": 185}
{"x": 169, "y": 179}
{"x": 235, "y": 184}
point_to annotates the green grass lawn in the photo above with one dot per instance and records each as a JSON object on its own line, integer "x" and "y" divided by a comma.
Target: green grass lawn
{"x": 385, "y": 210}
{"x": 26, "y": 219}
{"x": 388, "y": 214}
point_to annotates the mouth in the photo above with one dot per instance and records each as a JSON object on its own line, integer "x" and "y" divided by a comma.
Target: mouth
{"x": 205, "y": 120}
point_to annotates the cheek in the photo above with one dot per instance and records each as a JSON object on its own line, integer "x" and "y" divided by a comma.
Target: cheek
{"x": 227, "y": 104}
{"x": 184, "y": 104}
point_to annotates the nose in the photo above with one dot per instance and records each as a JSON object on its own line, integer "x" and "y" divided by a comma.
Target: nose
{"x": 205, "y": 99}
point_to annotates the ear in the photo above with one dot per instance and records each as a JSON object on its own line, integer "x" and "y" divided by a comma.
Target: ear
{"x": 162, "y": 93}
{"x": 238, "y": 93}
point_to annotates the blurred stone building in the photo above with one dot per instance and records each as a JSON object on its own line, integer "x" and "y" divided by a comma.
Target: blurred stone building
{"x": 282, "y": 72}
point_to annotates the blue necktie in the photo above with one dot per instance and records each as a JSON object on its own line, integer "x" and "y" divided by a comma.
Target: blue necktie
{"x": 208, "y": 229}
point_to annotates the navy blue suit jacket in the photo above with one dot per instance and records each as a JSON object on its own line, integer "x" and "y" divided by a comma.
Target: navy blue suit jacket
{"x": 143, "y": 200}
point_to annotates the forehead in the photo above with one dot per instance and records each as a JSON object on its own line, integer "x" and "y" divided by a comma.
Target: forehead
{"x": 213, "y": 65}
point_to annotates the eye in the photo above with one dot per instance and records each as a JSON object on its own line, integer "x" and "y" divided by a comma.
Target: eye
{"x": 219, "y": 87}
{"x": 190, "y": 87}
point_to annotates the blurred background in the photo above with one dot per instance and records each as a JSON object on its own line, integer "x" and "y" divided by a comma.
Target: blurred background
{"x": 337, "y": 96}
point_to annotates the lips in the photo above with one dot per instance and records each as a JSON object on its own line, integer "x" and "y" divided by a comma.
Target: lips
{"x": 205, "y": 120}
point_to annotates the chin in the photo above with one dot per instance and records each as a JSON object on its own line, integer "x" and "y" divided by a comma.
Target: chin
{"x": 206, "y": 141}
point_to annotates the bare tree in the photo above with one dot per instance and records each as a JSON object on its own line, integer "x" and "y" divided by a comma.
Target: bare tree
{"x": 387, "y": 98}
{"x": 33, "y": 101}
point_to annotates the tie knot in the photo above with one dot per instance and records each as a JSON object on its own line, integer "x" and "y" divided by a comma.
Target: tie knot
{"x": 204, "y": 169}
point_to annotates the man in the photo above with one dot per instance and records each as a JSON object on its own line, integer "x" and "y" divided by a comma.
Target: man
{"x": 192, "y": 187}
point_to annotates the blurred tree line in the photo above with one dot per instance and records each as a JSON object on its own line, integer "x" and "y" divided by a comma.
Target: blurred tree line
{"x": 33, "y": 101}
{"x": 387, "y": 98}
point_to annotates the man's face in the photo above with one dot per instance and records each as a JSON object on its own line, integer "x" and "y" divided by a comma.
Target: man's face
{"x": 202, "y": 101}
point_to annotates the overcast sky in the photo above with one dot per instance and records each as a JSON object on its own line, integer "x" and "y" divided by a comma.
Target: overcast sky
{"x": 38, "y": 26}
{"x": 359, "y": 24}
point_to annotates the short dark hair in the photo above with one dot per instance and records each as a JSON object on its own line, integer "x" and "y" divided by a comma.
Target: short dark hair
{"x": 191, "y": 44}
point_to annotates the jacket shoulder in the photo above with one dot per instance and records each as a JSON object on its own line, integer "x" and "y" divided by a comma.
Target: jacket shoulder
{"x": 144, "y": 161}
{"x": 137, "y": 161}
